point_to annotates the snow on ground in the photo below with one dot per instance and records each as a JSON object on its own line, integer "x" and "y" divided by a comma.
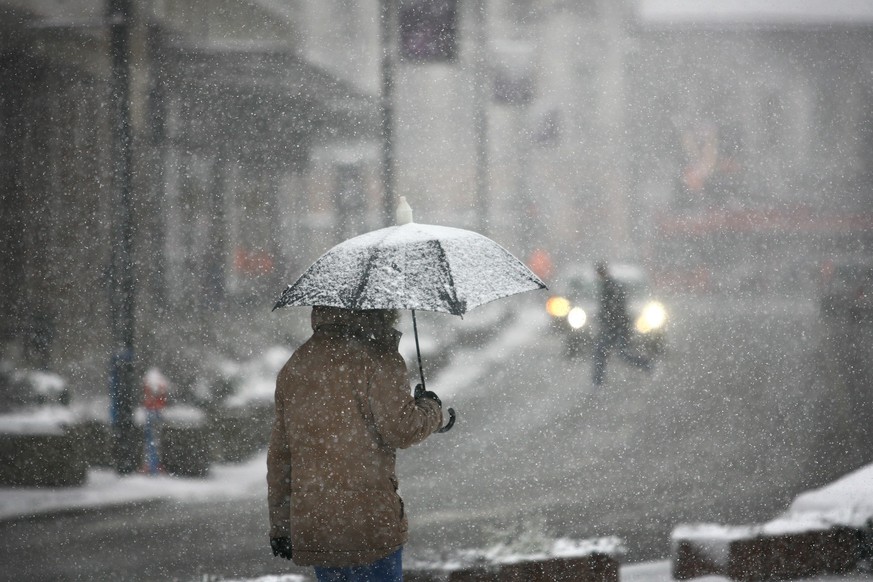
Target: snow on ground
{"x": 661, "y": 572}
{"x": 848, "y": 500}
{"x": 470, "y": 364}
{"x": 646, "y": 572}
{"x": 106, "y": 488}
{"x": 45, "y": 420}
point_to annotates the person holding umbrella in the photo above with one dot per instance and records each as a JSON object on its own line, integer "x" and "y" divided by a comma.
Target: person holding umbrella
{"x": 342, "y": 401}
{"x": 343, "y": 408}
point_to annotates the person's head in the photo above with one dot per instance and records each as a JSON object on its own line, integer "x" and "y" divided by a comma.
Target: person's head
{"x": 601, "y": 268}
{"x": 380, "y": 328}
{"x": 372, "y": 323}
{"x": 354, "y": 320}
{"x": 382, "y": 320}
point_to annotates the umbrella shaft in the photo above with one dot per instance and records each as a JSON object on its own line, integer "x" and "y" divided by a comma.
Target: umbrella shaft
{"x": 417, "y": 349}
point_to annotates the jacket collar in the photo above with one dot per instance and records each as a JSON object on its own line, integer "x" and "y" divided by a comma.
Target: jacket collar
{"x": 354, "y": 323}
{"x": 339, "y": 320}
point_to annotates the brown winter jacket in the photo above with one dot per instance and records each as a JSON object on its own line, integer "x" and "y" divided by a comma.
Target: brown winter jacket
{"x": 343, "y": 407}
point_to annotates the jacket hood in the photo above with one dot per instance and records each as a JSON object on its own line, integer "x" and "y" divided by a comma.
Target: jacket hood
{"x": 324, "y": 316}
{"x": 370, "y": 325}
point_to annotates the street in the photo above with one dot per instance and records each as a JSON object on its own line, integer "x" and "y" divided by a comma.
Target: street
{"x": 744, "y": 414}
{"x": 740, "y": 418}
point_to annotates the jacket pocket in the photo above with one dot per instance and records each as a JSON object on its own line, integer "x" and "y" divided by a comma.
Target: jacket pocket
{"x": 348, "y": 521}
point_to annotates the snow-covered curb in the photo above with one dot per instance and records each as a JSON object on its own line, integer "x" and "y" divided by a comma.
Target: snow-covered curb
{"x": 848, "y": 500}
{"x": 845, "y": 502}
{"x": 278, "y": 578}
{"x": 821, "y": 532}
{"x": 593, "y": 560}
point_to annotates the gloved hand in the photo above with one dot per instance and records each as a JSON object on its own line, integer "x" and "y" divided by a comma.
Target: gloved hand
{"x": 420, "y": 392}
{"x": 281, "y": 547}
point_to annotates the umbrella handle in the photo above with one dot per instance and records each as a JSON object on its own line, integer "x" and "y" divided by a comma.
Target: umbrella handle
{"x": 451, "y": 422}
{"x": 451, "y": 411}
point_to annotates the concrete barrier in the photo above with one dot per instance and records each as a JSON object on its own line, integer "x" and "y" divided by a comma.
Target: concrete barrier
{"x": 791, "y": 556}
{"x": 754, "y": 554}
{"x": 690, "y": 561}
{"x": 592, "y": 568}
{"x": 41, "y": 460}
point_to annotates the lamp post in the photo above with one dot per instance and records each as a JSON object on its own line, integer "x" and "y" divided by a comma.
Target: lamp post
{"x": 388, "y": 19}
{"x": 123, "y": 392}
{"x": 481, "y": 89}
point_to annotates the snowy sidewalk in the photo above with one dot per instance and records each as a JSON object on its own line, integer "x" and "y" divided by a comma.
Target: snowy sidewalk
{"x": 105, "y": 488}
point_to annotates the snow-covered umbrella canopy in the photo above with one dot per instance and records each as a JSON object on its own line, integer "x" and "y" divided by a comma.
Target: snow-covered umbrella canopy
{"x": 412, "y": 266}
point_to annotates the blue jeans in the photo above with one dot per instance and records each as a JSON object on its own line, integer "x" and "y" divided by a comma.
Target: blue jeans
{"x": 152, "y": 441}
{"x": 387, "y": 569}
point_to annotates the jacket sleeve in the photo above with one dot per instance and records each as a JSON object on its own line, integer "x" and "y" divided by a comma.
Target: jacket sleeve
{"x": 400, "y": 420}
{"x": 279, "y": 472}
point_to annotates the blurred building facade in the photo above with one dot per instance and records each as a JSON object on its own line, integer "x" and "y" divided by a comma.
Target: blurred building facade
{"x": 653, "y": 130}
{"x": 751, "y": 165}
{"x": 244, "y": 139}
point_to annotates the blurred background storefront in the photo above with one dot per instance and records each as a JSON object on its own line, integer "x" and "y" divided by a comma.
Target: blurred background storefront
{"x": 709, "y": 145}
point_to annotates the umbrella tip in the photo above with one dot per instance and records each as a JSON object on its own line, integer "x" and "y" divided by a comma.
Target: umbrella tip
{"x": 404, "y": 211}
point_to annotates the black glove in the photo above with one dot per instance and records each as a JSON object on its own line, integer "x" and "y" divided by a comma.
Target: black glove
{"x": 281, "y": 547}
{"x": 420, "y": 392}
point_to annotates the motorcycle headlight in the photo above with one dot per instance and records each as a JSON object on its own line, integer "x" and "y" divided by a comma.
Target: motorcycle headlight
{"x": 557, "y": 306}
{"x": 577, "y": 317}
{"x": 653, "y": 317}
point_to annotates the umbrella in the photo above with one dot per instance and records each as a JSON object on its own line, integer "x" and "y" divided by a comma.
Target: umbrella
{"x": 412, "y": 266}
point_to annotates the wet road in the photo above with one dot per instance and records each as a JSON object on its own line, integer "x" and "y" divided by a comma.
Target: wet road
{"x": 748, "y": 410}
{"x": 742, "y": 415}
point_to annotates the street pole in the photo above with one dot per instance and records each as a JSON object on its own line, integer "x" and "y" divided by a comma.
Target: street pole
{"x": 123, "y": 385}
{"x": 481, "y": 88}
{"x": 388, "y": 25}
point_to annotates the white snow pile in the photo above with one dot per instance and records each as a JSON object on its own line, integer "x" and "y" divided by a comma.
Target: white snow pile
{"x": 559, "y": 548}
{"x": 175, "y": 415}
{"x": 38, "y": 410}
{"x": 45, "y": 420}
{"x": 47, "y": 384}
{"x": 529, "y": 544}
{"x": 846, "y": 502}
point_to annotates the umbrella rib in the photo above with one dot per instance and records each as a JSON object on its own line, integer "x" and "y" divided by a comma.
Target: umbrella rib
{"x": 357, "y": 296}
{"x": 457, "y": 307}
